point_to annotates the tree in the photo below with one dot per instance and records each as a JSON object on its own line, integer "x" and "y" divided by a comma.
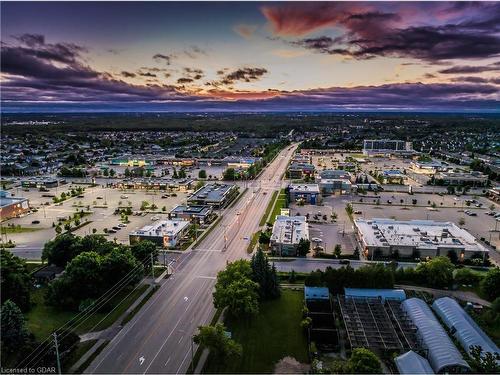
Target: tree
{"x": 363, "y": 361}
{"x": 236, "y": 290}
{"x": 265, "y": 275}
{"x": 264, "y": 238}
{"x": 437, "y": 272}
{"x": 81, "y": 280}
{"x": 202, "y": 174}
{"x": 464, "y": 276}
{"x": 229, "y": 174}
{"x": 461, "y": 221}
{"x": 490, "y": 285}
{"x": 337, "y": 251}
{"x": 120, "y": 263}
{"x": 14, "y": 331}
{"x": 217, "y": 341}
{"x": 484, "y": 362}
{"x": 142, "y": 252}
{"x": 112, "y": 172}
{"x": 303, "y": 247}
{"x": 349, "y": 209}
{"x": 15, "y": 280}
{"x": 61, "y": 250}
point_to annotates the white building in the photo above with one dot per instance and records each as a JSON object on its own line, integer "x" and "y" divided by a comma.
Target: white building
{"x": 164, "y": 233}
{"x": 287, "y": 233}
{"x": 425, "y": 237}
{"x": 386, "y": 147}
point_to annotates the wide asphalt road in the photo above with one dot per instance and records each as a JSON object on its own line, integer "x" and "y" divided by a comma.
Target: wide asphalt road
{"x": 158, "y": 338}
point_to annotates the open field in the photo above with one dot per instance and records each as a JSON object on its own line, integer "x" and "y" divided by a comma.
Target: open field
{"x": 273, "y": 334}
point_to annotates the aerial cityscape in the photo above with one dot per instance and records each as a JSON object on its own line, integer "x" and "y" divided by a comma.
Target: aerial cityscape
{"x": 250, "y": 187}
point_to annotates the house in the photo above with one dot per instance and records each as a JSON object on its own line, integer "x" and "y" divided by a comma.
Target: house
{"x": 47, "y": 273}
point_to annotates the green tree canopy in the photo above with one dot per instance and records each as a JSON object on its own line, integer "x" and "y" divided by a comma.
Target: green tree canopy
{"x": 13, "y": 328}
{"x": 61, "y": 250}
{"x": 217, "y": 341}
{"x": 438, "y": 272}
{"x": 15, "y": 280}
{"x": 265, "y": 275}
{"x": 142, "y": 252}
{"x": 229, "y": 174}
{"x": 303, "y": 247}
{"x": 236, "y": 290}
{"x": 490, "y": 285}
{"x": 202, "y": 174}
{"x": 363, "y": 361}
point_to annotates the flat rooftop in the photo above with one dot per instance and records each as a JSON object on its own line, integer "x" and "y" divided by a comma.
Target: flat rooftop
{"x": 162, "y": 228}
{"x": 290, "y": 229}
{"x": 212, "y": 192}
{"x": 304, "y": 188}
{"x": 192, "y": 210}
{"x": 421, "y": 234}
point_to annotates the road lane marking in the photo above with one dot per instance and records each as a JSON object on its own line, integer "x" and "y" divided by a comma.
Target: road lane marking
{"x": 168, "y": 360}
{"x": 206, "y": 277}
{"x": 178, "y": 342}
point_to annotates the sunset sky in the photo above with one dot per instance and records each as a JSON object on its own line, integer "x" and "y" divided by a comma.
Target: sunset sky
{"x": 250, "y": 56}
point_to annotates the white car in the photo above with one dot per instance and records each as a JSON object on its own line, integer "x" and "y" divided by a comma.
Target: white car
{"x": 121, "y": 225}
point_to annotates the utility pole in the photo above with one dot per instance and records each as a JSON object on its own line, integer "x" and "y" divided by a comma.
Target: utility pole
{"x": 57, "y": 353}
{"x": 152, "y": 269}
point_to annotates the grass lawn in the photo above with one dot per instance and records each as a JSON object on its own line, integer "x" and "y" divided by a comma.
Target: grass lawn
{"x": 43, "y": 320}
{"x": 268, "y": 208}
{"x": 266, "y": 338}
{"x": 76, "y": 354}
{"x": 280, "y": 203}
{"x": 18, "y": 229}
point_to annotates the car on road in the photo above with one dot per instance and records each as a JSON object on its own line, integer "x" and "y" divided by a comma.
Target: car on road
{"x": 35, "y": 222}
{"x": 99, "y": 198}
{"x": 124, "y": 196}
{"x": 246, "y": 238}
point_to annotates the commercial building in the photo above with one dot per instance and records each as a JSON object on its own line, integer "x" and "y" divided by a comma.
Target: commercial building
{"x": 386, "y": 147}
{"x": 393, "y": 176}
{"x": 164, "y": 233}
{"x": 155, "y": 183}
{"x": 463, "y": 327}
{"x": 335, "y": 174}
{"x": 300, "y": 170}
{"x": 198, "y": 214}
{"x": 427, "y": 167}
{"x": 287, "y": 233}
{"x": 12, "y": 206}
{"x": 42, "y": 182}
{"x": 461, "y": 178}
{"x": 306, "y": 193}
{"x": 442, "y": 355}
{"x": 332, "y": 186}
{"x": 422, "y": 238}
{"x": 214, "y": 194}
{"x": 240, "y": 163}
{"x": 125, "y": 161}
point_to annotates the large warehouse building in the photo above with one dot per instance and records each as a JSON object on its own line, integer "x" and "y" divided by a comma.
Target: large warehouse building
{"x": 384, "y": 237}
{"x": 12, "y": 206}
{"x": 386, "y": 147}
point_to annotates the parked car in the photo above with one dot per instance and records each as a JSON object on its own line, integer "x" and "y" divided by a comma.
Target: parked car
{"x": 121, "y": 225}
{"x": 117, "y": 228}
{"x": 124, "y": 196}
{"x": 358, "y": 212}
{"x": 98, "y": 197}
{"x": 154, "y": 218}
{"x": 111, "y": 231}
{"x": 35, "y": 222}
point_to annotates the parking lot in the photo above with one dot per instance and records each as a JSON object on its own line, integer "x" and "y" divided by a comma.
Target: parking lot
{"x": 447, "y": 208}
{"x": 102, "y": 203}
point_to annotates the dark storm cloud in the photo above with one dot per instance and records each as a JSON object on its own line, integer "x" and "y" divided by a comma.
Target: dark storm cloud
{"x": 57, "y": 72}
{"x": 159, "y": 57}
{"x": 465, "y": 69}
{"x": 128, "y": 74}
{"x": 367, "y": 33}
{"x": 184, "y": 80}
